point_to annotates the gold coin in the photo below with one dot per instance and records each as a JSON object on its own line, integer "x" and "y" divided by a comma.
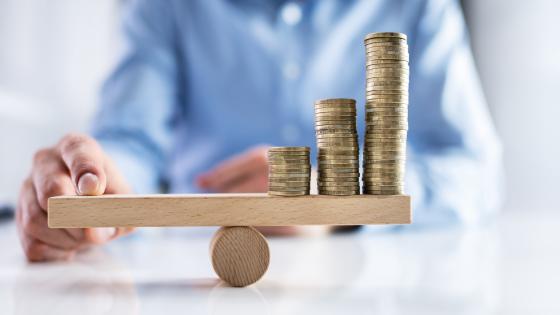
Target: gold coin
{"x": 386, "y": 53}
{"x": 336, "y": 112}
{"x": 281, "y": 162}
{"x": 384, "y": 193}
{"x": 340, "y": 139}
{"x": 328, "y": 164}
{"x": 325, "y": 150}
{"x": 373, "y": 51}
{"x": 386, "y": 133}
{"x": 336, "y": 125}
{"x": 282, "y": 181}
{"x": 342, "y": 135}
{"x": 378, "y": 59}
{"x": 386, "y": 94}
{"x": 336, "y": 101}
{"x": 394, "y": 41}
{"x": 390, "y": 43}
{"x": 381, "y": 107}
{"x": 348, "y": 121}
{"x": 388, "y": 71}
{"x": 339, "y": 192}
{"x": 290, "y": 155}
{"x": 288, "y": 187}
{"x": 288, "y": 149}
{"x": 399, "y": 98}
{"x": 377, "y": 41}
{"x": 386, "y": 116}
{"x": 385, "y": 35}
{"x": 386, "y": 89}
{"x": 387, "y": 123}
{"x": 334, "y": 106}
{"x": 285, "y": 194}
{"x": 348, "y": 161}
{"x": 339, "y": 186}
{"x": 390, "y": 82}
{"x": 332, "y": 170}
{"x": 289, "y": 169}
{"x": 339, "y": 116}
{"x": 338, "y": 176}
{"x": 388, "y": 64}
{"x": 275, "y": 176}
{"x": 339, "y": 145}
{"x": 386, "y": 82}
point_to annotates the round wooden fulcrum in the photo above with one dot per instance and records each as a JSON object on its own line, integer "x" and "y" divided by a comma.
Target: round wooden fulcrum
{"x": 240, "y": 255}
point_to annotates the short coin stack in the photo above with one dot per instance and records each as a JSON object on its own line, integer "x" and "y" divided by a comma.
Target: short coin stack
{"x": 289, "y": 171}
{"x": 337, "y": 147}
{"x": 387, "y": 75}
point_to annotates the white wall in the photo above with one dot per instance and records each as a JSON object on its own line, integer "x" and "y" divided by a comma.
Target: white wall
{"x": 517, "y": 46}
{"x": 53, "y": 55}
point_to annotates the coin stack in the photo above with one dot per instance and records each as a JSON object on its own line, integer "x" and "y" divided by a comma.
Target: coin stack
{"x": 337, "y": 147}
{"x": 289, "y": 171}
{"x": 387, "y": 75}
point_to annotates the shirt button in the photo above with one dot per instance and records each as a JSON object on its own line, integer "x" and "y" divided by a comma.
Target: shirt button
{"x": 291, "y": 71}
{"x": 291, "y": 13}
{"x": 290, "y": 133}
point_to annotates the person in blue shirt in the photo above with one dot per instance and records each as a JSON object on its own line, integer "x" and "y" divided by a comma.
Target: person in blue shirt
{"x": 202, "y": 87}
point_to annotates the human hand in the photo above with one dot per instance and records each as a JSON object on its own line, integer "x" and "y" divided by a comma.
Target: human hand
{"x": 75, "y": 166}
{"x": 244, "y": 173}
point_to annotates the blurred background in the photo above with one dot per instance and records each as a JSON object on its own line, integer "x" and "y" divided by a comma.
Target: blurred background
{"x": 55, "y": 54}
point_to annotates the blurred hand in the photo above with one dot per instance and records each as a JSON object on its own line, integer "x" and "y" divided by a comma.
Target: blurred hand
{"x": 244, "y": 173}
{"x": 75, "y": 166}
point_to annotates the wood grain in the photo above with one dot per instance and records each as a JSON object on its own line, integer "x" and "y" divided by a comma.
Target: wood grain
{"x": 225, "y": 210}
{"x": 240, "y": 255}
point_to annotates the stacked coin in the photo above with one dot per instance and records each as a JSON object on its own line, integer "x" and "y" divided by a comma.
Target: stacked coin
{"x": 289, "y": 171}
{"x": 387, "y": 73}
{"x": 337, "y": 147}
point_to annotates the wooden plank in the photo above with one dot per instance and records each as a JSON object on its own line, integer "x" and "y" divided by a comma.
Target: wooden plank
{"x": 225, "y": 210}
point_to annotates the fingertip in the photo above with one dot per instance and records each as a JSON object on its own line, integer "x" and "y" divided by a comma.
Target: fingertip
{"x": 89, "y": 185}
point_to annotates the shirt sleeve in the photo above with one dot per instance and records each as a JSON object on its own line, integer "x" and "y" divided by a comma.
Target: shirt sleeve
{"x": 134, "y": 123}
{"x": 454, "y": 167}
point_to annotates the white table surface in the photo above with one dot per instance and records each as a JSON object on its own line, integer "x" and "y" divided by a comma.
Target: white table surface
{"x": 509, "y": 267}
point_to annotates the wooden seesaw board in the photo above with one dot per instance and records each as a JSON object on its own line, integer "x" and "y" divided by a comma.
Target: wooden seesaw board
{"x": 226, "y": 210}
{"x": 239, "y": 253}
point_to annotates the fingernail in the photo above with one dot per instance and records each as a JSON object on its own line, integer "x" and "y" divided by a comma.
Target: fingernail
{"x": 105, "y": 234}
{"x": 88, "y": 184}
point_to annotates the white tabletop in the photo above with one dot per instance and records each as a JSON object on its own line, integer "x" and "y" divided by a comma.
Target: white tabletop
{"x": 509, "y": 267}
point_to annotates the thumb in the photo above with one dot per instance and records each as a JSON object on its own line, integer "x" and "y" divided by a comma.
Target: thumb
{"x": 85, "y": 161}
{"x": 89, "y": 185}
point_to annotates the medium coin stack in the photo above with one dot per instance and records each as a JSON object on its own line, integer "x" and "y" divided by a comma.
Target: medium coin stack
{"x": 337, "y": 147}
{"x": 289, "y": 171}
{"x": 387, "y": 76}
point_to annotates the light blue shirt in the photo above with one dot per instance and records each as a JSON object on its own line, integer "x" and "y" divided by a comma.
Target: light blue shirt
{"x": 200, "y": 81}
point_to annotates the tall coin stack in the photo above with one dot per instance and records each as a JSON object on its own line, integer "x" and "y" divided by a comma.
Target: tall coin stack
{"x": 387, "y": 73}
{"x": 337, "y": 147}
{"x": 289, "y": 171}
